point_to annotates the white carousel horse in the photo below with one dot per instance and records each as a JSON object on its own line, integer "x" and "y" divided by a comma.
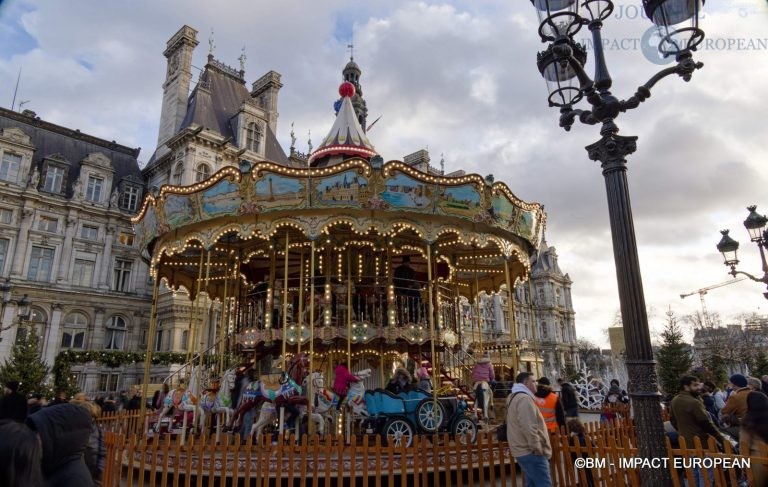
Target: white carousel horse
{"x": 219, "y": 401}
{"x": 328, "y": 401}
{"x": 483, "y": 389}
{"x": 286, "y": 393}
{"x": 183, "y": 399}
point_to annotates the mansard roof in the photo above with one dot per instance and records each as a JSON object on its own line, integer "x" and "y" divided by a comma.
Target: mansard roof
{"x": 216, "y": 100}
{"x": 547, "y": 260}
{"x": 71, "y": 145}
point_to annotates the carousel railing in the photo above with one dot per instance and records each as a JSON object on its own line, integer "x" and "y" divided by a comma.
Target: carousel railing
{"x": 368, "y": 301}
{"x": 187, "y": 366}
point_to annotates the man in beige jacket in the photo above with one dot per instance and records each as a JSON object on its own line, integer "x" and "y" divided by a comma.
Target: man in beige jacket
{"x": 527, "y": 433}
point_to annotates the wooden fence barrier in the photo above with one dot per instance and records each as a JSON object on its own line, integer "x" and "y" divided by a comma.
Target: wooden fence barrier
{"x": 611, "y": 447}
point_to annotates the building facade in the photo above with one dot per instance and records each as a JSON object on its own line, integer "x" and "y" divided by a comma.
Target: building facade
{"x": 543, "y": 315}
{"x": 67, "y": 244}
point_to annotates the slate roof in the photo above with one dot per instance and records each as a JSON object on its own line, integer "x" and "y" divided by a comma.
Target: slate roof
{"x": 547, "y": 260}
{"x": 216, "y": 100}
{"x": 49, "y": 139}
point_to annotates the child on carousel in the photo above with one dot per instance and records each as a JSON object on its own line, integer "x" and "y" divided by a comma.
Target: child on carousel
{"x": 341, "y": 381}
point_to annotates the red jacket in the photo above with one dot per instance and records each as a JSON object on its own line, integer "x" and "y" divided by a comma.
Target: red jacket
{"x": 342, "y": 378}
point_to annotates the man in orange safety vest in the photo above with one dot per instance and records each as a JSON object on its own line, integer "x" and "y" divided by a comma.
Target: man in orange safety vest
{"x": 549, "y": 405}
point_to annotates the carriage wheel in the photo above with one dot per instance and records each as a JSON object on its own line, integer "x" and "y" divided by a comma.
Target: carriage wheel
{"x": 465, "y": 431}
{"x": 428, "y": 418}
{"x": 397, "y": 430}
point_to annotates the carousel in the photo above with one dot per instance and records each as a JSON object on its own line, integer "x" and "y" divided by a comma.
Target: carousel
{"x": 347, "y": 260}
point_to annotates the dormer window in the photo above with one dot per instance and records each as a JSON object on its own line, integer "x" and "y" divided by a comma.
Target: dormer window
{"x": 9, "y": 167}
{"x": 94, "y": 189}
{"x": 253, "y": 136}
{"x": 202, "y": 172}
{"x": 54, "y": 177}
{"x": 130, "y": 198}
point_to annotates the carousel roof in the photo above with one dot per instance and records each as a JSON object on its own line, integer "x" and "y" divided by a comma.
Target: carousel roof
{"x": 346, "y": 136}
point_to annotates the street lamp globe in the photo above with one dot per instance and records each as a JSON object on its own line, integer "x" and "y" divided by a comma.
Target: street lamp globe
{"x": 555, "y": 65}
{"x": 677, "y": 22}
{"x": 598, "y": 10}
{"x": 755, "y": 223}
{"x": 728, "y": 247}
{"x": 557, "y": 18}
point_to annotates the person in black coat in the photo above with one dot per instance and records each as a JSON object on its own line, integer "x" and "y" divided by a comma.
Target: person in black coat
{"x": 64, "y": 432}
{"x": 569, "y": 400}
{"x": 13, "y": 405}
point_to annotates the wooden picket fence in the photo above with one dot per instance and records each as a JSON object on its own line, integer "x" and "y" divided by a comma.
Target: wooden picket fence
{"x": 327, "y": 461}
{"x": 134, "y": 459}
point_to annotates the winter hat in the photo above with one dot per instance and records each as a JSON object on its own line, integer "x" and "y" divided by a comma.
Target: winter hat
{"x": 738, "y": 380}
{"x": 544, "y": 381}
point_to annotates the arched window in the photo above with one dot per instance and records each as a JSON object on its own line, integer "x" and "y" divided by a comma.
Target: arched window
{"x": 75, "y": 325}
{"x": 178, "y": 171}
{"x": 541, "y": 297}
{"x": 253, "y": 136}
{"x": 36, "y": 321}
{"x": 184, "y": 340}
{"x": 114, "y": 339}
{"x": 202, "y": 172}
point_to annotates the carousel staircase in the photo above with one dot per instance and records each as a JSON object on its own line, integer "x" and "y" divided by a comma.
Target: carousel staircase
{"x": 456, "y": 363}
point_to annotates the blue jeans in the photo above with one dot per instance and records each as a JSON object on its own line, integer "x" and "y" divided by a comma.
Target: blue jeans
{"x": 698, "y": 477}
{"x": 536, "y": 470}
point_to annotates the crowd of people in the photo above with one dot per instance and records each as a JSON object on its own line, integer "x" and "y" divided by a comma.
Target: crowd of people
{"x": 55, "y": 444}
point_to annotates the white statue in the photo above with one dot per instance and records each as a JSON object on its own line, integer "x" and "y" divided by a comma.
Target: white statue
{"x": 113, "y": 200}
{"x": 34, "y": 179}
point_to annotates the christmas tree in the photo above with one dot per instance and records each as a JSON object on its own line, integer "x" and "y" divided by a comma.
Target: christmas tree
{"x": 673, "y": 358}
{"x": 25, "y": 365}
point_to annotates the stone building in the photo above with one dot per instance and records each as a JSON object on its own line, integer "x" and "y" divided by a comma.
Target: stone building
{"x": 67, "y": 244}
{"x": 544, "y": 318}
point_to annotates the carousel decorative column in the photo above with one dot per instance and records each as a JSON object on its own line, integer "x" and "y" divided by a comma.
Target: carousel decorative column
{"x": 202, "y": 322}
{"x": 284, "y": 297}
{"x": 300, "y": 320}
{"x": 310, "y": 388}
{"x": 224, "y": 322}
{"x": 269, "y": 302}
{"x": 150, "y": 348}
{"x": 511, "y": 318}
{"x": 476, "y": 297}
{"x": 349, "y": 306}
{"x": 391, "y": 304}
{"x": 192, "y": 330}
{"x": 433, "y": 338}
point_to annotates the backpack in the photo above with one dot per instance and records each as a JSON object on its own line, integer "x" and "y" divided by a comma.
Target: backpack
{"x": 501, "y": 430}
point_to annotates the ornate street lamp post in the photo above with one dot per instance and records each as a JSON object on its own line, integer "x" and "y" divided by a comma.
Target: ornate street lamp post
{"x": 562, "y": 65}
{"x": 755, "y": 225}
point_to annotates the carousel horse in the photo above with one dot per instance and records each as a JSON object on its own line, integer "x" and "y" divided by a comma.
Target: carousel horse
{"x": 328, "y": 401}
{"x": 218, "y": 399}
{"x": 183, "y": 400}
{"x": 286, "y": 393}
{"x": 250, "y": 398}
{"x": 483, "y": 396}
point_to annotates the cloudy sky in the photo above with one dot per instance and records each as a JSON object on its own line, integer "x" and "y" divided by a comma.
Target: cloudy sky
{"x": 460, "y": 79}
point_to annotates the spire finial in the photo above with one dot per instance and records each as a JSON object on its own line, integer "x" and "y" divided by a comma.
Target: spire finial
{"x": 442, "y": 164}
{"x": 293, "y": 138}
{"x": 242, "y": 58}
{"x": 211, "y": 44}
{"x": 351, "y": 47}
{"x": 309, "y": 141}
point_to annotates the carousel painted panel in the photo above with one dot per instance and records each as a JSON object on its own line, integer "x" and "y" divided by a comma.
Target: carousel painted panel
{"x": 147, "y": 229}
{"x": 505, "y": 212}
{"x": 528, "y": 225}
{"x": 463, "y": 201}
{"x": 344, "y": 189}
{"x": 223, "y": 198}
{"x": 179, "y": 210}
{"x": 404, "y": 192}
{"x": 274, "y": 192}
